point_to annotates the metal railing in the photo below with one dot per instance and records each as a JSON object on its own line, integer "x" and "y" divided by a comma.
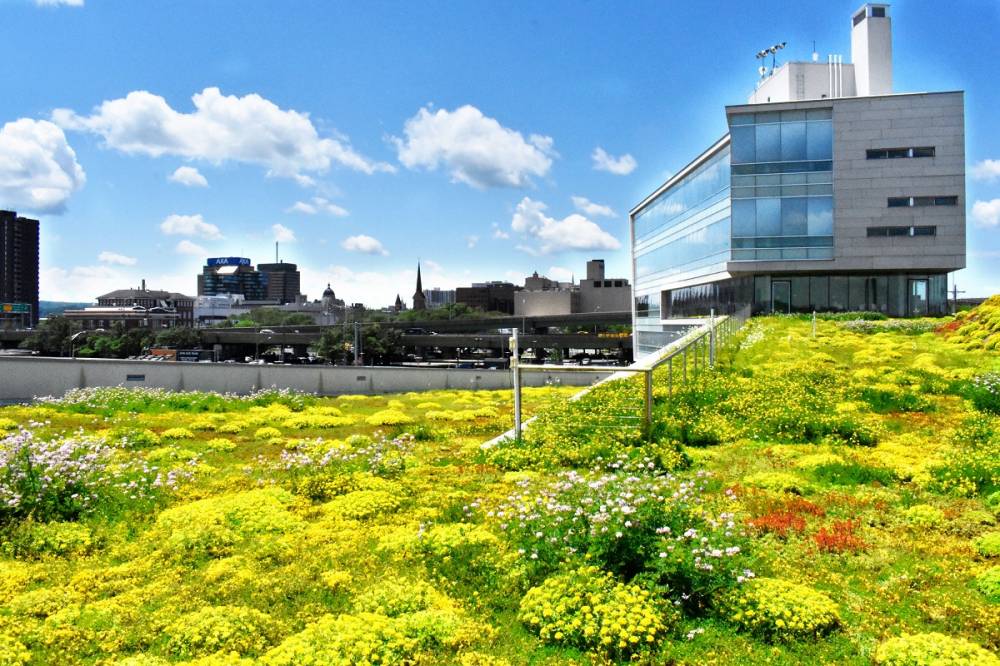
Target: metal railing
{"x": 693, "y": 353}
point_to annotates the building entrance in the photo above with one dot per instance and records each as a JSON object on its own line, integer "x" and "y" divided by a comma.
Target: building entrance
{"x": 781, "y": 296}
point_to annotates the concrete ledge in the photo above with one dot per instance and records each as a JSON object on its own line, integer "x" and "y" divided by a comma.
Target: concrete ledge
{"x": 22, "y": 379}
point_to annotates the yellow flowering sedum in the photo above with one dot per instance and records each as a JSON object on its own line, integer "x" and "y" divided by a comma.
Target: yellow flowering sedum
{"x": 388, "y": 417}
{"x": 211, "y": 629}
{"x": 590, "y": 610}
{"x": 779, "y": 610}
{"x": 932, "y": 649}
{"x": 363, "y": 504}
{"x": 214, "y": 526}
{"x": 12, "y": 651}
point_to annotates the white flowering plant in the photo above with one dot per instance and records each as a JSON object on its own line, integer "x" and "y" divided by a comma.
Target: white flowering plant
{"x": 636, "y": 522}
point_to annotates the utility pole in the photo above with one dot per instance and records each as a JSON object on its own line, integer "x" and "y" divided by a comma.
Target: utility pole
{"x": 954, "y": 297}
{"x": 357, "y": 343}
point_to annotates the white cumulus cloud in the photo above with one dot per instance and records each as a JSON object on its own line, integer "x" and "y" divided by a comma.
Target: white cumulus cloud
{"x": 38, "y": 168}
{"x": 559, "y": 273}
{"x": 107, "y": 257}
{"x": 58, "y": 3}
{"x": 364, "y": 244}
{"x": 189, "y": 225}
{"x": 187, "y": 247}
{"x": 221, "y": 128}
{"x": 543, "y": 234}
{"x": 588, "y": 207}
{"x": 986, "y": 170}
{"x": 471, "y": 241}
{"x": 188, "y": 176}
{"x": 620, "y": 166}
{"x": 499, "y": 233}
{"x": 283, "y": 234}
{"x": 318, "y": 205}
{"x": 476, "y": 149}
{"x": 986, "y": 213}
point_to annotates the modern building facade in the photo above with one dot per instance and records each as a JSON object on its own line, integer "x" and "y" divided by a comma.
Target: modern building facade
{"x": 18, "y": 269}
{"x": 232, "y": 275}
{"x": 816, "y": 199}
{"x": 284, "y": 282}
{"x": 439, "y": 298}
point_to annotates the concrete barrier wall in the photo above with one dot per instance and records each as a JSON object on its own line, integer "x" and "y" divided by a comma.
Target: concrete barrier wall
{"x": 22, "y": 379}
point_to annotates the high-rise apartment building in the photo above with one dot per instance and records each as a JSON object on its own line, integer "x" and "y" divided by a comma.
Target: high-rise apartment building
{"x": 18, "y": 269}
{"x": 829, "y": 192}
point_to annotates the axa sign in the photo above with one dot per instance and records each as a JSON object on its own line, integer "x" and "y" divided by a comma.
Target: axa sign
{"x": 228, "y": 261}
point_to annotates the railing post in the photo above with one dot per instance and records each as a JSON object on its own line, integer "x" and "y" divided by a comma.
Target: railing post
{"x": 515, "y": 363}
{"x": 685, "y": 365}
{"x": 670, "y": 377}
{"x": 649, "y": 402}
{"x": 814, "y": 324}
{"x": 711, "y": 339}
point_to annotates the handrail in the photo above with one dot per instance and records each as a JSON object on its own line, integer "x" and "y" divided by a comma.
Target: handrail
{"x": 701, "y": 342}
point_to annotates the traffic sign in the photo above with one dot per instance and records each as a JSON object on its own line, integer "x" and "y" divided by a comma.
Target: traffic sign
{"x": 15, "y": 308}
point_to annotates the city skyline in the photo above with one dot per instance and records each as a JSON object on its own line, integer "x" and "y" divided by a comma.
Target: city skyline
{"x": 149, "y": 150}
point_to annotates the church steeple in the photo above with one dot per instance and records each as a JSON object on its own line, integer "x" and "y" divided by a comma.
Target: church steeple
{"x": 419, "y": 300}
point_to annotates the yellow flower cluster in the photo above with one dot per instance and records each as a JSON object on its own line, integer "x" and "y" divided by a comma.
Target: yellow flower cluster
{"x": 779, "y": 610}
{"x": 932, "y": 649}
{"x": 12, "y": 651}
{"x": 303, "y": 421}
{"x": 778, "y": 482}
{"x": 214, "y": 526}
{"x": 267, "y": 432}
{"x": 363, "y": 504}
{"x": 923, "y": 516}
{"x": 589, "y": 609}
{"x": 388, "y": 417}
{"x": 54, "y": 539}
{"x": 212, "y": 629}
{"x": 978, "y": 328}
{"x": 177, "y": 433}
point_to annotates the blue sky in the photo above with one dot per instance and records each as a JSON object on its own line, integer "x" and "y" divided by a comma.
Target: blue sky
{"x": 147, "y": 136}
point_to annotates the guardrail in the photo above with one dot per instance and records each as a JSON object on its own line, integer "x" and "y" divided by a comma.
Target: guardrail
{"x": 697, "y": 348}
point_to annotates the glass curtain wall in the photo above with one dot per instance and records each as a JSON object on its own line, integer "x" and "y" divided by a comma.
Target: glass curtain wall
{"x": 782, "y": 185}
{"x": 897, "y": 295}
{"x": 682, "y": 233}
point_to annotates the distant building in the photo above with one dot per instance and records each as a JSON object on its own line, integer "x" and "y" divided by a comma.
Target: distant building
{"x": 18, "y": 269}
{"x": 439, "y": 298}
{"x": 419, "y": 300}
{"x": 233, "y": 275}
{"x": 488, "y": 296}
{"x": 211, "y": 310}
{"x": 142, "y": 307}
{"x": 542, "y": 296}
{"x": 283, "y": 281}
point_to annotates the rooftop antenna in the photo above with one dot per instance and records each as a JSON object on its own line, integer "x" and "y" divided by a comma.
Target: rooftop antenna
{"x": 769, "y": 51}
{"x": 815, "y": 52}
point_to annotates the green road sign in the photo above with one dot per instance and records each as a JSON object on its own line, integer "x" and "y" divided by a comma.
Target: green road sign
{"x": 15, "y": 308}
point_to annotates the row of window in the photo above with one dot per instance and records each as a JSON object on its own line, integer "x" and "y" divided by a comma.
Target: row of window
{"x": 877, "y": 232}
{"x": 609, "y": 283}
{"x": 916, "y": 202}
{"x": 895, "y": 153}
{"x": 787, "y": 216}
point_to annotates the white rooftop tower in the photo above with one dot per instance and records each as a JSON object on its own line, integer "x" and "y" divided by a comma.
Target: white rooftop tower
{"x": 871, "y": 50}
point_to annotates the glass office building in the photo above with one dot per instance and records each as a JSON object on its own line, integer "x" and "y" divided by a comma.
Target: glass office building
{"x": 829, "y": 192}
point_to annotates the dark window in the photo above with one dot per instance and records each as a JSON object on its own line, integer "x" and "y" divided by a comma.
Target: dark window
{"x": 607, "y": 283}
{"x": 618, "y": 283}
{"x": 877, "y": 232}
{"x": 597, "y": 283}
{"x": 896, "y": 153}
{"x": 859, "y": 17}
{"x": 945, "y": 201}
{"x": 878, "y": 12}
{"x": 899, "y": 202}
